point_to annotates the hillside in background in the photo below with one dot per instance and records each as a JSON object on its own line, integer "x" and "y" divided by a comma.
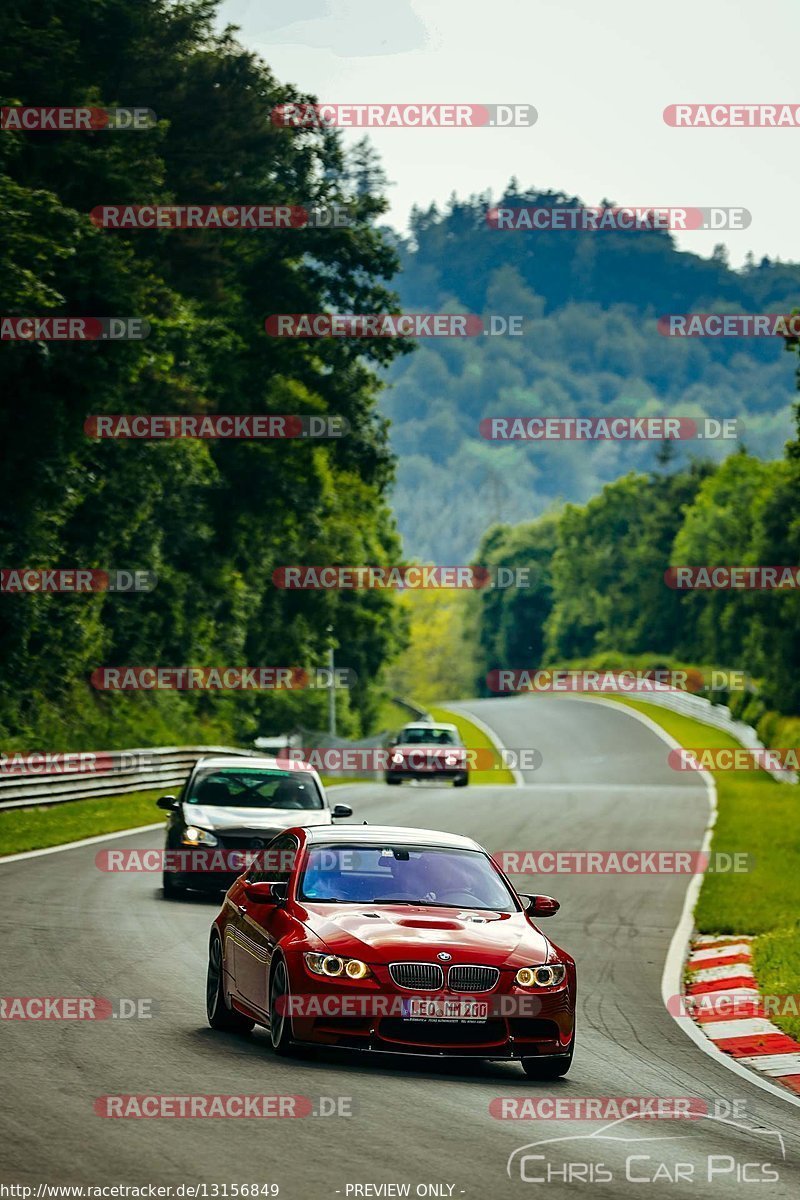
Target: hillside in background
{"x": 590, "y": 347}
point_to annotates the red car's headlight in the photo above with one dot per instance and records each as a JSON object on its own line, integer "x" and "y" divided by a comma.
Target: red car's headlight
{"x": 547, "y": 975}
{"x": 334, "y": 966}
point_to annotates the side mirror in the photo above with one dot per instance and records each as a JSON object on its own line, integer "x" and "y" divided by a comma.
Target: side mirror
{"x": 392, "y": 742}
{"x": 266, "y": 893}
{"x": 341, "y": 810}
{"x": 168, "y": 802}
{"x": 540, "y": 906}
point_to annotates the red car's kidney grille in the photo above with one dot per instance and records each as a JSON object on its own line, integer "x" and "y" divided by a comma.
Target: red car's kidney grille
{"x": 472, "y": 979}
{"x": 422, "y": 977}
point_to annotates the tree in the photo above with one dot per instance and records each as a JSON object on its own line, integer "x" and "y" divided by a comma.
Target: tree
{"x": 212, "y": 519}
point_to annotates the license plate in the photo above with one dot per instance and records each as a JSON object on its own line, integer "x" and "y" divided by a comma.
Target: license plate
{"x": 415, "y": 1008}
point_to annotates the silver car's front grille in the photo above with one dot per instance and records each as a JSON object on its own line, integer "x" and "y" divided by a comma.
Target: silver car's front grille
{"x": 421, "y": 977}
{"x": 472, "y": 979}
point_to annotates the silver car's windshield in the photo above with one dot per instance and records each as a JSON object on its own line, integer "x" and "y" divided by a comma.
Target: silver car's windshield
{"x": 254, "y": 787}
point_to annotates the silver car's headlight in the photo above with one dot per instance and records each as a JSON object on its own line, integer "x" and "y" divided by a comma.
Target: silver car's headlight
{"x": 193, "y": 836}
{"x": 546, "y": 975}
{"x": 334, "y": 966}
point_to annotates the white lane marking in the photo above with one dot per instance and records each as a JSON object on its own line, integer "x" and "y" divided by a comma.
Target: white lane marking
{"x": 490, "y": 733}
{"x": 744, "y": 1027}
{"x": 734, "y": 971}
{"x": 117, "y": 833}
{"x": 101, "y": 837}
{"x": 775, "y": 1064}
{"x": 672, "y": 976}
{"x": 698, "y": 956}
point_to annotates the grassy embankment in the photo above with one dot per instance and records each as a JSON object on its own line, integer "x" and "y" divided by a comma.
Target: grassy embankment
{"x": 35, "y": 828}
{"x": 759, "y": 816}
{"x": 475, "y": 739}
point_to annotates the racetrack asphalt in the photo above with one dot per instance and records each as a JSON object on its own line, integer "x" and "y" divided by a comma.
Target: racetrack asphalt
{"x": 70, "y": 929}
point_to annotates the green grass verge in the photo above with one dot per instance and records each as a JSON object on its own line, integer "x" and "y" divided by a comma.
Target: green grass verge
{"x": 776, "y": 962}
{"x": 474, "y": 738}
{"x": 759, "y": 816}
{"x": 35, "y": 828}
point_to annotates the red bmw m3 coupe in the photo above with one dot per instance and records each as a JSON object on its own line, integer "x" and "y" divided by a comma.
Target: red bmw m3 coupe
{"x": 396, "y": 940}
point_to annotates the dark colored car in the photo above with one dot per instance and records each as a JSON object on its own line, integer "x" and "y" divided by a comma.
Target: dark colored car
{"x": 398, "y": 940}
{"x": 426, "y": 750}
{"x": 229, "y": 810}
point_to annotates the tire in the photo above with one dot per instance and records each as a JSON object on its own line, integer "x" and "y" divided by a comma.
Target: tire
{"x": 220, "y": 1017}
{"x": 171, "y": 888}
{"x": 551, "y": 1067}
{"x": 280, "y": 1024}
{"x": 393, "y": 781}
{"x": 461, "y": 780}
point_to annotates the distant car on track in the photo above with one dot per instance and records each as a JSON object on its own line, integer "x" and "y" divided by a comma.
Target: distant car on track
{"x": 428, "y": 750}
{"x": 237, "y": 803}
{"x": 398, "y": 940}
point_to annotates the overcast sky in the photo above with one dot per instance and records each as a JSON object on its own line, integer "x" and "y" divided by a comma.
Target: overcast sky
{"x": 599, "y": 76}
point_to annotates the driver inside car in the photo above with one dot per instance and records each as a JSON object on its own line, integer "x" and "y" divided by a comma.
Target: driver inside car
{"x": 323, "y": 881}
{"x": 291, "y": 793}
{"x": 431, "y": 877}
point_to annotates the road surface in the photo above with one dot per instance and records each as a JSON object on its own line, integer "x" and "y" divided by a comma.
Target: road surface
{"x": 70, "y": 929}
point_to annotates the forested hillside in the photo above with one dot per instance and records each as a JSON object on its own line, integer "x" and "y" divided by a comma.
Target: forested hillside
{"x": 590, "y": 346}
{"x": 211, "y": 519}
{"x": 598, "y": 577}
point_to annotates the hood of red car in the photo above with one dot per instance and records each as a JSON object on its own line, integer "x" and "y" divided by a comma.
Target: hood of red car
{"x": 392, "y": 933}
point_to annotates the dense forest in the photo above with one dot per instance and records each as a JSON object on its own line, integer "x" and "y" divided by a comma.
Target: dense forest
{"x": 212, "y": 519}
{"x": 590, "y": 346}
{"x": 599, "y": 591}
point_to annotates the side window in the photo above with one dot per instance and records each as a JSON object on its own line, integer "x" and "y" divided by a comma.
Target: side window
{"x": 276, "y": 861}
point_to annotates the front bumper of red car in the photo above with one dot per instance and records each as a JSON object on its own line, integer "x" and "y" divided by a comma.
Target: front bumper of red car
{"x": 371, "y": 1015}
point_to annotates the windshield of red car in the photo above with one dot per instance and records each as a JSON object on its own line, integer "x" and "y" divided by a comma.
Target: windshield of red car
{"x": 440, "y": 877}
{"x": 254, "y": 787}
{"x": 427, "y": 737}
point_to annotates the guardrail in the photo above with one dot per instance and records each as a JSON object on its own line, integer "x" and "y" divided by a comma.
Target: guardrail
{"x": 717, "y": 715}
{"x": 419, "y": 714}
{"x": 115, "y": 772}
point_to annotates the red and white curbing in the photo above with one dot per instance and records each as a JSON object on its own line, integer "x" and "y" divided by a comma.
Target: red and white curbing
{"x": 723, "y": 965}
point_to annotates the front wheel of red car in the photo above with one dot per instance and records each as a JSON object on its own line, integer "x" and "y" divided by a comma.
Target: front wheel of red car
{"x": 280, "y": 1024}
{"x": 393, "y": 780}
{"x": 461, "y": 780}
{"x": 219, "y": 1015}
{"x": 547, "y": 1068}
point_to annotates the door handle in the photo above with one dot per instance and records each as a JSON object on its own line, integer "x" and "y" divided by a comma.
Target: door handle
{"x": 241, "y": 908}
